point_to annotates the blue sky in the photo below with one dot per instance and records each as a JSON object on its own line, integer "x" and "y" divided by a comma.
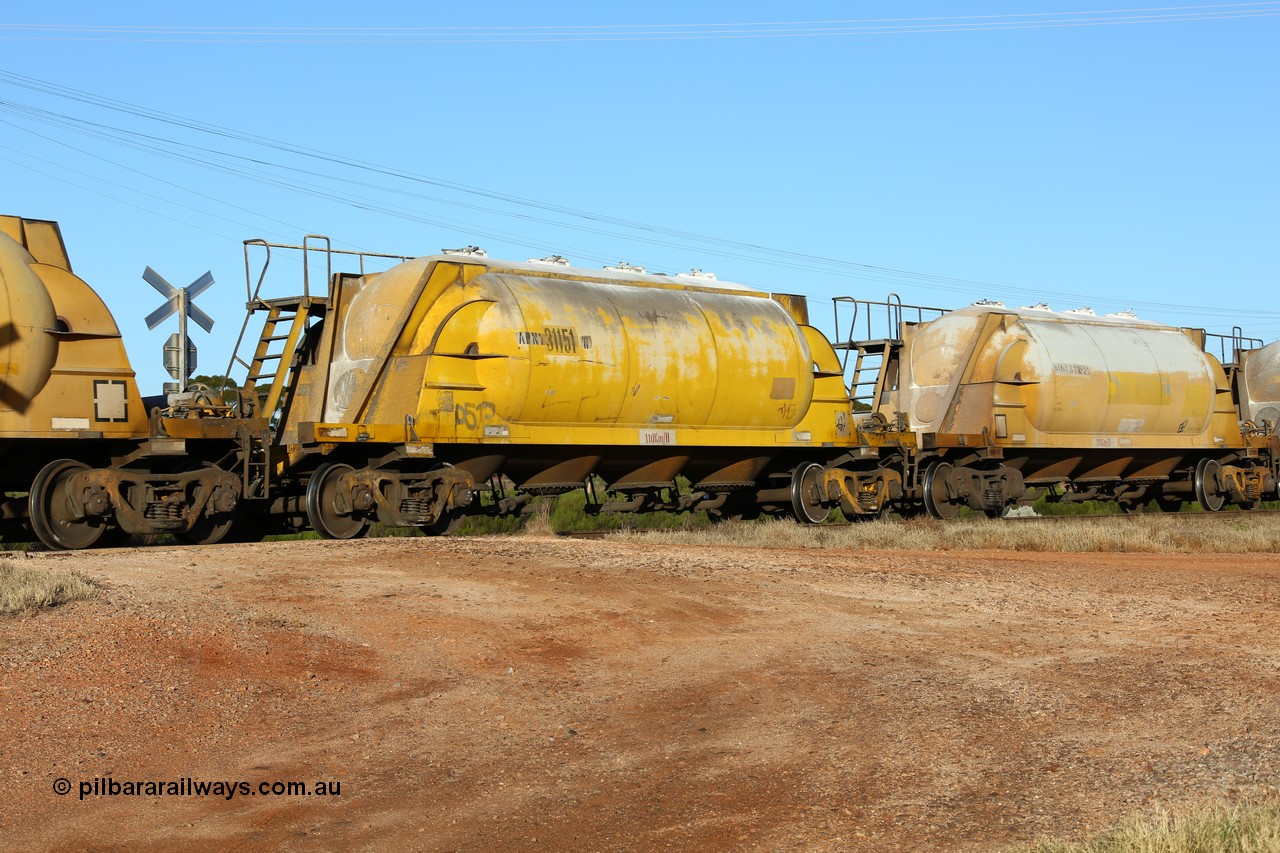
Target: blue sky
{"x": 1026, "y": 151}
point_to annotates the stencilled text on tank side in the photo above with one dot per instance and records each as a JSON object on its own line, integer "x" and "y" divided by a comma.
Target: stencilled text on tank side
{"x": 1072, "y": 369}
{"x": 658, "y": 436}
{"x": 561, "y": 339}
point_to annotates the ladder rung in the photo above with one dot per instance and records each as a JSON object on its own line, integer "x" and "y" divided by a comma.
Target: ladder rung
{"x": 293, "y": 312}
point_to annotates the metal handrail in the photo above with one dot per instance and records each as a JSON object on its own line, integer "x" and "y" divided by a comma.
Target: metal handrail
{"x": 1239, "y": 342}
{"x": 894, "y": 312}
{"x": 306, "y": 248}
{"x": 253, "y": 292}
{"x": 893, "y": 309}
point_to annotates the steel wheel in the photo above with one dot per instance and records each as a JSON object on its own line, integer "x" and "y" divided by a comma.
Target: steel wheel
{"x": 330, "y": 517}
{"x": 209, "y": 531}
{"x": 806, "y": 494}
{"x": 1207, "y": 485}
{"x": 49, "y": 509}
{"x": 936, "y": 498}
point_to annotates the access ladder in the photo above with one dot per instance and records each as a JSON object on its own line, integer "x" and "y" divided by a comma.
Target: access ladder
{"x": 270, "y": 364}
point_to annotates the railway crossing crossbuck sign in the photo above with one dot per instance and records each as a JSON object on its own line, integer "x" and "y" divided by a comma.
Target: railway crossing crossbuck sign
{"x": 179, "y": 360}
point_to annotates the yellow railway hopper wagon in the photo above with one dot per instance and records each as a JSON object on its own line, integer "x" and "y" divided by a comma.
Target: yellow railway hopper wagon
{"x": 68, "y": 399}
{"x": 452, "y": 375}
{"x": 84, "y": 463}
{"x": 999, "y": 405}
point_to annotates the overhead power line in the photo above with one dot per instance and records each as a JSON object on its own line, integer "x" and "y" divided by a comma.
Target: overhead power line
{"x": 846, "y": 267}
{"x": 321, "y": 182}
{"x": 637, "y": 32}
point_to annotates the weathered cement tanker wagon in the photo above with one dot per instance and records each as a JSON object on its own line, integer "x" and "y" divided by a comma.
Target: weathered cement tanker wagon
{"x": 996, "y": 406}
{"x": 453, "y": 374}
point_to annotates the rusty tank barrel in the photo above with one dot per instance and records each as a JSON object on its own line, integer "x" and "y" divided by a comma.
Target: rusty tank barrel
{"x": 1043, "y": 377}
{"x": 550, "y": 347}
{"x": 27, "y": 350}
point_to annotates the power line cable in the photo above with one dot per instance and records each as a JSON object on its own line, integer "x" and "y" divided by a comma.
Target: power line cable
{"x": 848, "y": 267}
{"x": 638, "y": 32}
{"x": 792, "y": 260}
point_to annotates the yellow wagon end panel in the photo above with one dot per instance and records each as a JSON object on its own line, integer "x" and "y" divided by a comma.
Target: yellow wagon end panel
{"x": 66, "y": 370}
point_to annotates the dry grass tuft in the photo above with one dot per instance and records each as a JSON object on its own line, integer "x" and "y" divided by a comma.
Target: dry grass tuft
{"x": 26, "y": 590}
{"x": 539, "y": 523}
{"x": 1150, "y": 534}
{"x": 1252, "y": 827}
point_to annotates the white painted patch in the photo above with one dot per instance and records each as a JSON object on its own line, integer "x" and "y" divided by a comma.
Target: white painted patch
{"x": 1131, "y": 424}
{"x": 109, "y": 401}
{"x": 70, "y": 423}
{"x": 1099, "y": 441}
{"x": 496, "y": 431}
{"x": 658, "y": 436}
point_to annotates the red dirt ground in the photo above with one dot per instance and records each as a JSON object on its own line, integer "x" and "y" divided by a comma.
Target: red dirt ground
{"x": 548, "y": 694}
